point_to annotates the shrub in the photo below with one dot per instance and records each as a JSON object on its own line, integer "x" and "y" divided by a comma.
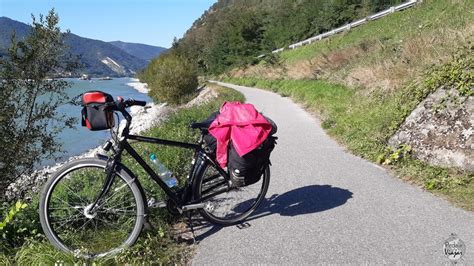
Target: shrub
{"x": 17, "y": 224}
{"x": 171, "y": 78}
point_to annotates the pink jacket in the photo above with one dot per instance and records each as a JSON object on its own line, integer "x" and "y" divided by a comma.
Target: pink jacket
{"x": 242, "y": 124}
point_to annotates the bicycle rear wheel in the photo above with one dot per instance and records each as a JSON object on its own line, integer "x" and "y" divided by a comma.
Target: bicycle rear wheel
{"x": 65, "y": 210}
{"x": 233, "y": 206}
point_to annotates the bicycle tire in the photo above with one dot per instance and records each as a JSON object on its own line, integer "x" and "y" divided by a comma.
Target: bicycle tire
{"x": 122, "y": 177}
{"x": 263, "y": 185}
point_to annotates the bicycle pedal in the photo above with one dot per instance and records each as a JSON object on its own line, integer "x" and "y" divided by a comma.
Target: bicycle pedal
{"x": 160, "y": 204}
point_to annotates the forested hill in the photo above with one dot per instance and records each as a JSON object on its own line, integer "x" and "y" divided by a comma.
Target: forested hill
{"x": 98, "y": 58}
{"x": 234, "y": 32}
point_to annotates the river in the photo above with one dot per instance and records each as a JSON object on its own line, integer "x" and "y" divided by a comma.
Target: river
{"x": 78, "y": 140}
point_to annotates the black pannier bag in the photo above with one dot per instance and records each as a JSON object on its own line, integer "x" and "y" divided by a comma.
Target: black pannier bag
{"x": 96, "y": 113}
{"x": 248, "y": 169}
{"x": 210, "y": 143}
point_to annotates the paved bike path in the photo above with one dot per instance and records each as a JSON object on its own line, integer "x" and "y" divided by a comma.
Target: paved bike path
{"x": 325, "y": 205}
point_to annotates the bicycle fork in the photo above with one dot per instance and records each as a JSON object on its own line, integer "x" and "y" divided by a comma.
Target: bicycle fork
{"x": 109, "y": 180}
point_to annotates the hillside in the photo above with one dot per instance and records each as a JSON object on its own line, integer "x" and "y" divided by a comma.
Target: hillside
{"x": 397, "y": 91}
{"x": 142, "y": 51}
{"x": 233, "y": 32}
{"x": 98, "y": 58}
{"x": 381, "y": 54}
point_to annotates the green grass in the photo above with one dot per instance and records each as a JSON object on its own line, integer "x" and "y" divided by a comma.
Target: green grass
{"x": 432, "y": 16}
{"x": 29, "y": 247}
{"x": 364, "y": 123}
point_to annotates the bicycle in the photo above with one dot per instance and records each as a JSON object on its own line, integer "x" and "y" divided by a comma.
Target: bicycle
{"x": 96, "y": 207}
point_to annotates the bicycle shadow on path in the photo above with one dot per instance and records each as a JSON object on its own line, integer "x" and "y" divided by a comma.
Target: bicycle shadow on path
{"x": 300, "y": 201}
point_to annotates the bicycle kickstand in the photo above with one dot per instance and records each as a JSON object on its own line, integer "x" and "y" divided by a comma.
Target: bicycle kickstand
{"x": 190, "y": 222}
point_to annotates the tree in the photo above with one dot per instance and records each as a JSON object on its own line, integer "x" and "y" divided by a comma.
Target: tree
{"x": 171, "y": 78}
{"x": 30, "y": 93}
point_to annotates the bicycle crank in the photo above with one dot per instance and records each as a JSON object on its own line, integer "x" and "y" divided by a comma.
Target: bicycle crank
{"x": 193, "y": 206}
{"x": 208, "y": 206}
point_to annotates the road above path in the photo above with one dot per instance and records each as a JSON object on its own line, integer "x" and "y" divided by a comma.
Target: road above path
{"x": 325, "y": 205}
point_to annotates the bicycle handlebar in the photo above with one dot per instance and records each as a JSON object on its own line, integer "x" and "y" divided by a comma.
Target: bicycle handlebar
{"x": 120, "y": 104}
{"x": 131, "y": 102}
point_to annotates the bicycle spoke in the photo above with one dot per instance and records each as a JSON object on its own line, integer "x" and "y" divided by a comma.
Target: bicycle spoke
{"x": 80, "y": 198}
{"x": 66, "y": 208}
{"x": 110, "y": 198}
{"x": 65, "y": 202}
{"x": 117, "y": 211}
{"x": 65, "y": 223}
{"x": 115, "y": 204}
{"x": 67, "y": 218}
{"x": 79, "y": 229}
{"x": 108, "y": 223}
{"x": 213, "y": 186}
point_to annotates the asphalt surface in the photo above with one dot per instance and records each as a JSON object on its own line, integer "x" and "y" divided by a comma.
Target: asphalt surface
{"x": 325, "y": 205}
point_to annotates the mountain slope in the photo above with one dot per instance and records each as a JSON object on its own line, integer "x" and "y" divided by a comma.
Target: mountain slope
{"x": 102, "y": 58}
{"x": 97, "y": 57}
{"x": 6, "y": 28}
{"x": 142, "y": 51}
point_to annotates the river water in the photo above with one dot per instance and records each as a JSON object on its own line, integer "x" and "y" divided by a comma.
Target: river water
{"x": 78, "y": 140}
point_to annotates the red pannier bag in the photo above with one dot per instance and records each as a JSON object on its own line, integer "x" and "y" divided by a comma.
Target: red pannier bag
{"x": 96, "y": 113}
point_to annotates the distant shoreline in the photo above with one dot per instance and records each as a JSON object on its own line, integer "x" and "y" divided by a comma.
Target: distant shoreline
{"x": 139, "y": 86}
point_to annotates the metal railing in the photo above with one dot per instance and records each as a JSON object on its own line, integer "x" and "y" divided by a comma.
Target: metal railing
{"x": 349, "y": 26}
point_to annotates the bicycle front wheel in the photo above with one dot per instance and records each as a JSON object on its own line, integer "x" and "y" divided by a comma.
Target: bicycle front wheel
{"x": 233, "y": 206}
{"x": 68, "y": 221}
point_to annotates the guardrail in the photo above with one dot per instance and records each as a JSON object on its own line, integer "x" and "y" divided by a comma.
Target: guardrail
{"x": 349, "y": 26}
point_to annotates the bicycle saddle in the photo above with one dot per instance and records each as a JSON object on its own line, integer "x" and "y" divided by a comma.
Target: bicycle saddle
{"x": 206, "y": 123}
{"x": 200, "y": 125}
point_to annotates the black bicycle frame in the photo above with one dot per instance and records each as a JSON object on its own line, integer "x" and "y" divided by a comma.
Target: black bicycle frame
{"x": 174, "y": 196}
{"x": 170, "y": 193}
{"x": 199, "y": 153}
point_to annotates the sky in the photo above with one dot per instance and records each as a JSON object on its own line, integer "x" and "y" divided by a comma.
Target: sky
{"x": 153, "y": 22}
